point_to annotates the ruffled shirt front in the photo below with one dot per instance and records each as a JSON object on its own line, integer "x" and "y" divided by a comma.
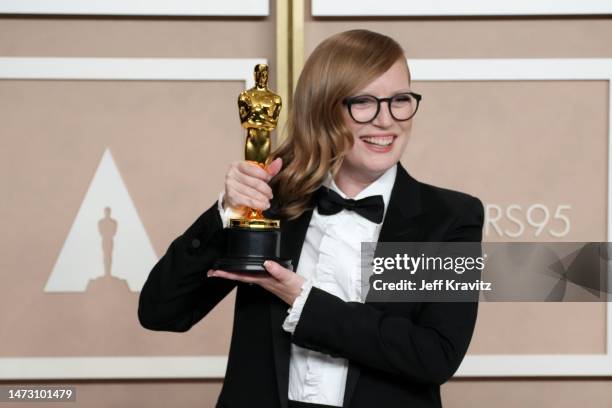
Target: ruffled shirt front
{"x": 331, "y": 260}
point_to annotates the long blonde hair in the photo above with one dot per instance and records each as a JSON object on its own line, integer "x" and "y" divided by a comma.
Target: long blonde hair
{"x": 317, "y": 139}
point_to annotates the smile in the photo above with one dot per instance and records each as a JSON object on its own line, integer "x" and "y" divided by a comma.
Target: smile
{"x": 386, "y": 140}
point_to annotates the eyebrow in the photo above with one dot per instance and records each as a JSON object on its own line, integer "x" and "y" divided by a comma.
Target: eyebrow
{"x": 401, "y": 91}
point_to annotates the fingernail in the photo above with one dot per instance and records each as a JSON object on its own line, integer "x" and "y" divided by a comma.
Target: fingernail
{"x": 266, "y": 263}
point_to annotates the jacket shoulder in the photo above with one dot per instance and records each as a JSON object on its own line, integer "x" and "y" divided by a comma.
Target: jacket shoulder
{"x": 447, "y": 201}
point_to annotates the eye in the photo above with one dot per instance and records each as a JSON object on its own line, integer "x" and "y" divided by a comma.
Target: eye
{"x": 363, "y": 100}
{"x": 402, "y": 98}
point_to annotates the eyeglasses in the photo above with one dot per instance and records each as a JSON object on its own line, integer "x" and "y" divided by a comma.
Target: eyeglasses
{"x": 365, "y": 108}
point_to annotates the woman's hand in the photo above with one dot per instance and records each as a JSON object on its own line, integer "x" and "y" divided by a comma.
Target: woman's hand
{"x": 246, "y": 184}
{"x": 280, "y": 281}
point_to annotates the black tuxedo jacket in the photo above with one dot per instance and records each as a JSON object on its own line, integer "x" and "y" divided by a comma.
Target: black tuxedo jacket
{"x": 398, "y": 353}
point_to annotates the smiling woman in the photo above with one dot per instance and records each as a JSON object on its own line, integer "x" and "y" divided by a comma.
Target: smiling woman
{"x": 306, "y": 338}
{"x": 343, "y": 78}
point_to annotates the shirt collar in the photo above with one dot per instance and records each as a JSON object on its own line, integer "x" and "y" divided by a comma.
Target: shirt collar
{"x": 381, "y": 186}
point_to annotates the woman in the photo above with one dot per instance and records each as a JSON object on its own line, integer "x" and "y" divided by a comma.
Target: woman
{"x": 304, "y": 338}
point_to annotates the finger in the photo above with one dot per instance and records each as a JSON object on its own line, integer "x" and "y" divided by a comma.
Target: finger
{"x": 274, "y": 167}
{"x": 254, "y": 203}
{"x": 240, "y": 190}
{"x": 244, "y": 195}
{"x": 275, "y": 270}
{"x": 253, "y": 170}
{"x": 234, "y": 169}
{"x": 255, "y": 183}
{"x": 241, "y": 277}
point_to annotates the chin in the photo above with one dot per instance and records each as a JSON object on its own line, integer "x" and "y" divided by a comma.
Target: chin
{"x": 377, "y": 169}
{"x": 379, "y": 164}
{"x": 371, "y": 165}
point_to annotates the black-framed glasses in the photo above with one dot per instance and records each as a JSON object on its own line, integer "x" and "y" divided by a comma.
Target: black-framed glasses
{"x": 365, "y": 108}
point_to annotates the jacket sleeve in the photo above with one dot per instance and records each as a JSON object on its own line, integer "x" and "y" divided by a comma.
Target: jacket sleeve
{"x": 424, "y": 349}
{"x": 177, "y": 294}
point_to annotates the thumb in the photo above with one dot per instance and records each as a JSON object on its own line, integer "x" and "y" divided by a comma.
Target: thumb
{"x": 275, "y": 166}
{"x": 274, "y": 269}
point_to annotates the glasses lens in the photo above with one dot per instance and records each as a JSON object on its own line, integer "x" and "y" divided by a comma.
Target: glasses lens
{"x": 363, "y": 108}
{"x": 403, "y": 106}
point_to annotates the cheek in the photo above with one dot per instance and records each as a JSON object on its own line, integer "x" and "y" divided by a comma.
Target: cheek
{"x": 357, "y": 154}
{"x": 406, "y": 129}
{"x": 351, "y": 125}
{"x": 355, "y": 129}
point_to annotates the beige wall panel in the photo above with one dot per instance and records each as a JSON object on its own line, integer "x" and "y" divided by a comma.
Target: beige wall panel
{"x": 552, "y": 328}
{"x": 172, "y": 142}
{"x": 479, "y": 37}
{"x": 138, "y": 37}
{"x": 524, "y": 143}
{"x": 528, "y": 393}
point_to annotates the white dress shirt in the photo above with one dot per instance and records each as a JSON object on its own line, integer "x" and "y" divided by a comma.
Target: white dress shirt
{"x": 331, "y": 261}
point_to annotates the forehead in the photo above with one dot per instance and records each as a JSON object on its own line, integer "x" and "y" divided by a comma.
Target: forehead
{"x": 393, "y": 80}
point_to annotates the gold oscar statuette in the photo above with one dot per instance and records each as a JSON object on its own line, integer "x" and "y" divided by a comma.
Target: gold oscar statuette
{"x": 253, "y": 238}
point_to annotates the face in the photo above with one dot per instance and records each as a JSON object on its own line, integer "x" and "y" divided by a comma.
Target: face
{"x": 261, "y": 77}
{"x": 378, "y": 145}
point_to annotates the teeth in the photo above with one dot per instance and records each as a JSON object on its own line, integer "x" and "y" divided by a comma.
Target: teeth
{"x": 378, "y": 140}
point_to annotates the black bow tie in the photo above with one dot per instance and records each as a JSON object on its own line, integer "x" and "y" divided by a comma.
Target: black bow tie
{"x": 329, "y": 202}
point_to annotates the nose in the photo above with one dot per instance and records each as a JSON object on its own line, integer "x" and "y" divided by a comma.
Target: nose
{"x": 384, "y": 118}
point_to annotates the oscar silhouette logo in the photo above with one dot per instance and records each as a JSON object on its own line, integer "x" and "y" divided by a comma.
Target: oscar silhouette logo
{"x": 107, "y": 227}
{"x": 253, "y": 238}
{"x": 107, "y": 240}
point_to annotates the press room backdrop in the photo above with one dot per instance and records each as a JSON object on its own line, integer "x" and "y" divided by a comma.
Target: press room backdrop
{"x": 118, "y": 123}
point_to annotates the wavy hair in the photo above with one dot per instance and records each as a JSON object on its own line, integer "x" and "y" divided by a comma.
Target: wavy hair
{"x": 317, "y": 138}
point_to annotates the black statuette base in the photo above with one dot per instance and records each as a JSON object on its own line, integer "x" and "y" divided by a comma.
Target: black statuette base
{"x": 247, "y": 249}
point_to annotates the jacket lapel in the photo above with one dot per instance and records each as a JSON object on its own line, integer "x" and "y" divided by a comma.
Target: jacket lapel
{"x": 293, "y": 234}
{"x": 400, "y": 225}
{"x": 404, "y": 204}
